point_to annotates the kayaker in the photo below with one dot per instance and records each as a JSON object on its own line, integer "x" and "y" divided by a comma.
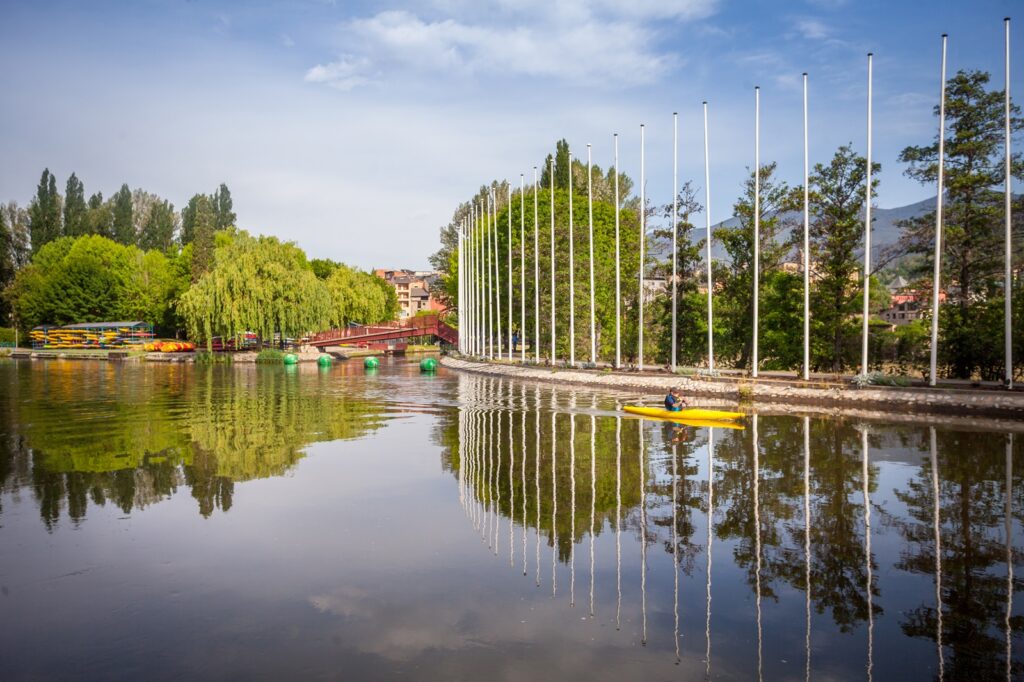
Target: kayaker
{"x": 674, "y": 400}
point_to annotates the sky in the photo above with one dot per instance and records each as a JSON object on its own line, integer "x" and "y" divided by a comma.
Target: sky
{"x": 356, "y": 128}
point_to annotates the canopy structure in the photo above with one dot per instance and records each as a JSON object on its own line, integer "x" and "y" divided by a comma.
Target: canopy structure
{"x": 91, "y": 335}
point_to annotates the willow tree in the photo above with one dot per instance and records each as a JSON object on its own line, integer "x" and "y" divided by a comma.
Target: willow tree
{"x": 257, "y": 284}
{"x": 357, "y": 296}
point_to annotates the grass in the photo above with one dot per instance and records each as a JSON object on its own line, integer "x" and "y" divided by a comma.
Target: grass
{"x": 207, "y": 358}
{"x": 270, "y": 356}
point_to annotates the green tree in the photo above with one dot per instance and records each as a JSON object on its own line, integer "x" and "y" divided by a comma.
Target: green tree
{"x": 99, "y": 218}
{"x": 256, "y": 284}
{"x": 204, "y": 227}
{"x": 124, "y": 216}
{"x": 75, "y": 209}
{"x": 188, "y": 219}
{"x": 973, "y": 217}
{"x": 158, "y": 226}
{"x": 45, "y": 212}
{"x": 836, "y": 236}
{"x": 356, "y": 297}
{"x": 222, "y": 205}
{"x": 323, "y": 267}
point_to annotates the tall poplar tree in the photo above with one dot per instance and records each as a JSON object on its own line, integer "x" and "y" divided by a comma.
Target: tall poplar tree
{"x": 158, "y": 226}
{"x": 99, "y": 219}
{"x": 44, "y": 212}
{"x": 188, "y": 220}
{"x": 224, "y": 217}
{"x": 124, "y": 216}
{"x": 203, "y": 242}
{"x": 75, "y": 209}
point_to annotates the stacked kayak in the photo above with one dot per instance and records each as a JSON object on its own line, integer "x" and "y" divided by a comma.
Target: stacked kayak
{"x": 694, "y": 414}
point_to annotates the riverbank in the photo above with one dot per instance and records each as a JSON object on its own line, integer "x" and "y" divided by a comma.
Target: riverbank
{"x": 770, "y": 394}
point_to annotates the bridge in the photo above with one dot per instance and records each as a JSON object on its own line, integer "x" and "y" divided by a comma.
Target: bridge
{"x": 426, "y": 325}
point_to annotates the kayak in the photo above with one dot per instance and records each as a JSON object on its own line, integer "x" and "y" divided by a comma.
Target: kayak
{"x": 690, "y": 413}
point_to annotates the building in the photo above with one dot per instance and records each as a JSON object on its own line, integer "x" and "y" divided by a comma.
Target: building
{"x": 413, "y": 288}
{"x": 906, "y": 304}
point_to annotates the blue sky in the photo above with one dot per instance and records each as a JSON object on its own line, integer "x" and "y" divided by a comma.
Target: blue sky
{"x": 355, "y": 128}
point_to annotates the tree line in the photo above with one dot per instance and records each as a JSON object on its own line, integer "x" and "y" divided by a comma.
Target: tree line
{"x": 132, "y": 257}
{"x": 971, "y": 313}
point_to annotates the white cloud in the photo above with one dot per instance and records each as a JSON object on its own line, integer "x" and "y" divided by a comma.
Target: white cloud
{"x": 344, "y": 74}
{"x": 812, "y": 29}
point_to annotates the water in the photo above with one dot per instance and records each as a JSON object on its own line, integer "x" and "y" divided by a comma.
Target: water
{"x": 169, "y": 521}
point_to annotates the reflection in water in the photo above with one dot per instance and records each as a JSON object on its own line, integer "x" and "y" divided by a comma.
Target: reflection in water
{"x": 795, "y": 519}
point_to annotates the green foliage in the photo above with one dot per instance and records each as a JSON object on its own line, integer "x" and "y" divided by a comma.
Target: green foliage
{"x": 188, "y": 219}
{"x": 257, "y": 284}
{"x": 359, "y": 297}
{"x": 100, "y": 217}
{"x": 158, "y": 227}
{"x": 270, "y": 356}
{"x": 7, "y": 335}
{"x": 75, "y": 209}
{"x": 224, "y": 216}
{"x": 323, "y": 267}
{"x": 203, "y": 243}
{"x": 45, "y": 212}
{"x": 124, "y": 216}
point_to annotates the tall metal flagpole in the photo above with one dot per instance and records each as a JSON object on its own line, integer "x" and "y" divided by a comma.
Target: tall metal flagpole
{"x": 867, "y": 236}
{"x": 807, "y": 248}
{"x": 590, "y": 224}
{"x": 460, "y": 304}
{"x": 675, "y": 228}
{"x": 572, "y": 278}
{"x": 707, "y": 220}
{"x": 937, "y": 269}
{"x": 497, "y": 275}
{"x": 474, "y": 248}
{"x": 618, "y": 283}
{"x": 1008, "y": 255}
{"x": 522, "y": 268}
{"x": 490, "y": 279}
{"x": 757, "y": 222}
{"x": 643, "y": 238}
{"x": 535, "y": 339}
{"x": 551, "y": 178}
{"x": 509, "y": 212}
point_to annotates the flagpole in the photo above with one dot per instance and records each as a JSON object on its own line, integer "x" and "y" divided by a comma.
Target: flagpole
{"x": 490, "y": 279}
{"x": 757, "y": 222}
{"x": 572, "y": 278}
{"x": 867, "y": 236}
{"x": 535, "y": 339}
{"x": 618, "y": 284}
{"x": 807, "y": 247}
{"x": 590, "y": 223}
{"x": 675, "y": 228}
{"x": 522, "y": 268}
{"x": 475, "y": 288}
{"x": 551, "y": 178}
{"x": 497, "y": 276}
{"x": 508, "y": 211}
{"x": 643, "y": 235}
{"x": 1008, "y": 255}
{"x": 937, "y": 269}
{"x": 458, "y": 301}
{"x": 707, "y": 220}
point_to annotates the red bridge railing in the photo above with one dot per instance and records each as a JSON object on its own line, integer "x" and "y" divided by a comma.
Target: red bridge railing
{"x": 426, "y": 325}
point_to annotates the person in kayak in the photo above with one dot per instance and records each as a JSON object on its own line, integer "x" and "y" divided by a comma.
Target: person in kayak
{"x": 674, "y": 401}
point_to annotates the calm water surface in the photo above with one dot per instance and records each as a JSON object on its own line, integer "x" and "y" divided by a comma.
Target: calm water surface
{"x": 167, "y": 521}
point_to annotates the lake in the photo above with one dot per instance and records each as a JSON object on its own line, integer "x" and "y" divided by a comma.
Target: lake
{"x": 168, "y": 521}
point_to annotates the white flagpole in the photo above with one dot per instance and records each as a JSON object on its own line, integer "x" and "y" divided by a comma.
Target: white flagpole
{"x": 572, "y": 278}
{"x": 757, "y": 222}
{"x": 618, "y": 285}
{"x": 535, "y": 339}
{"x": 490, "y": 280}
{"x": 707, "y": 220}
{"x": 675, "y": 229}
{"x": 459, "y": 303}
{"x": 807, "y": 247}
{"x": 643, "y": 236}
{"x": 590, "y": 223}
{"x": 474, "y": 247}
{"x": 497, "y": 275}
{"x": 551, "y": 178}
{"x": 1008, "y": 255}
{"x": 509, "y": 212}
{"x": 522, "y": 268}
{"x": 867, "y": 236}
{"x": 937, "y": 269}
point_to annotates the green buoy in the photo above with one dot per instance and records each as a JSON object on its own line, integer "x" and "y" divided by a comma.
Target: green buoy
{"x": 371, "y": 363}
{"x": 324, "y": 361}
{"x": 428, "y": 365}
{"x": 291, "y": 359}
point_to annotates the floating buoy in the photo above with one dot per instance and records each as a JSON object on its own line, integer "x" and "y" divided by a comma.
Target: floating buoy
{"x": 291, "y": 359}
{"x": 324, "y": 361}
{"x": 371, "y": 363}
{"x": 428, "y": 365}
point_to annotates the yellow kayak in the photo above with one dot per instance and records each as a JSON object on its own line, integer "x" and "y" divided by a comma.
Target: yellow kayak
{"x": 690, "y": 413}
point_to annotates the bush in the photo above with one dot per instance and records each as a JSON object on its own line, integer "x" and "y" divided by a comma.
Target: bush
{"x": 7, "y": 335}
{"x": 207, "y": 358}
{"x": 270, "y": 356}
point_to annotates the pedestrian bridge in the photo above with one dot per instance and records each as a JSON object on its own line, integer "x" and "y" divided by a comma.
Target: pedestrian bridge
{"x": 426, "y": 325}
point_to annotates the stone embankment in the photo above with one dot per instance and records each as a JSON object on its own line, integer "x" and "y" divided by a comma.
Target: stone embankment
{"x": 769, "y": 395}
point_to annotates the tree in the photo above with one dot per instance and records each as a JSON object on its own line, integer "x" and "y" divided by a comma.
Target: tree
{"x": 356, "y": 297}
{"x": 158, "y": 226}
{"x": 735, "y": 301}
{"x": 973, "y": 216}
{"x": 75, "y": 210}
{"x": 99, "y": 218}
{"x": 203, "y": 233}
{"x": 222, "y": 204}
{"x": 188, "y": 219}
{"x": 256, "y": 284}
{"x": 323, "y": 267}
{"x": 124, "y": 216}
{"x": 836, "y": 236}
{"x": 44, "y": 212}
